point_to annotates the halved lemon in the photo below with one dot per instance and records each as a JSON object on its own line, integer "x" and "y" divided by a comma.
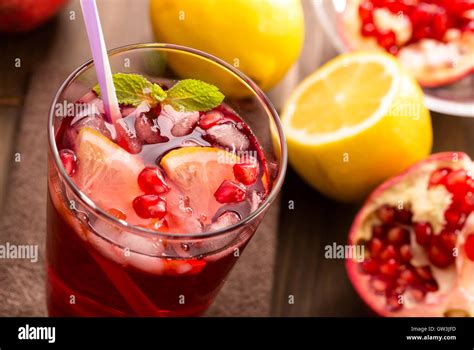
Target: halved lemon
{"x": 107, "y": 173}
{"x": 356, "y": 121}
{"x": 198, "y": 172}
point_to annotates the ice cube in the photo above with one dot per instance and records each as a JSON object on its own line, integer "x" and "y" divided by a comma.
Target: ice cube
{"x": 255, "y": 200}
{"x": 148, "y": 130}
{"x": 183, "y": 122}
{"x": 229, "y": 136}
{"x": 95, "y": 122}
{"x": 128, "y": 139}
{"x": 226, "y": 219}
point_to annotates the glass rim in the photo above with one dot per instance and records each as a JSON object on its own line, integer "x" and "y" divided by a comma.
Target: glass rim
{"x": 249, "y": 83}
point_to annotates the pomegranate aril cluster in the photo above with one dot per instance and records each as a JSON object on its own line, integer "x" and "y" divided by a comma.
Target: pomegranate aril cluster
{"x": 430, "y": 19}
{"x": 390, "y": 252}
{"x": 151, "y": 205}
{"x": 388, "y": 261}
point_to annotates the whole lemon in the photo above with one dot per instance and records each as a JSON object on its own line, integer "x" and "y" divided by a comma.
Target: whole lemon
{"x": 262, "y": 38}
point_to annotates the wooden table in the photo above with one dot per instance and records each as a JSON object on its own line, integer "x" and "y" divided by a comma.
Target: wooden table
{"x": 318, "y": 287}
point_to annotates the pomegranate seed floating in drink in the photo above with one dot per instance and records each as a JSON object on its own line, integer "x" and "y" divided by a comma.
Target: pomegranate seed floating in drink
{"x": 417, "y": 231}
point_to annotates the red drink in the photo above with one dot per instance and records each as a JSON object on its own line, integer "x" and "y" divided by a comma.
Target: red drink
{"x": 147, "y": 220}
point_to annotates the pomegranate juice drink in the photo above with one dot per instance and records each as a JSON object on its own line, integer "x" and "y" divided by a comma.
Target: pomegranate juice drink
{"x": 148, "y": 214}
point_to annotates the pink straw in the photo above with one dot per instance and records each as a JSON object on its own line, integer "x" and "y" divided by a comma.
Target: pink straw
{"x": 101, "y": 59}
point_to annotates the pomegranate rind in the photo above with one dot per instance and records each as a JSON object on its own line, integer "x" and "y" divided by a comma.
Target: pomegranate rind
{"x": 437, "y": 305}
{"x": 348, "y": 28}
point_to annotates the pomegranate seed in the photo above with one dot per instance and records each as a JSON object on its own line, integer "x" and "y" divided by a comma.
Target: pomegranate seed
{"x": 389, "y": 253}
{"x": 440, "y": 25}
{"x": 447, "y": 240}
{"x": 69, "y": 160}
{"x": 438, "y": 177}
{"x": 431, "y": 286}
{"x": 456, "y": 182}
{"x": 151, "y": 181}
{"x": 466, "y": 204}
{"x": 150, "y": 206}
{"x": 375, "y": 247}
{"x": 246, "y": 172}
{"x": 454, "y": 219}
{"x": 395, "y": 6}
{"x": 230, "y": 192}
{"x": 117, "y": 213}
{"x": 368, "y": 29}
{"x": 424, "y": 272}
{"x": 393, "y": 302}
{"x": 390, "y": 268}
{"x": 469, "y": 246}
{"x": 379, "y": 284}
{"x": 210, "y": 119}
{"x": 406, "y": 277}
{"x": 386, "y": 214}
{"x": 398, "y": 236}
{"x": 365, "y": 11}
{"x": 439, "y": 256}
{"x": 403, "y": 216}
{"x": 387, "y": 39}
{"x": 423, "y": 233}
{"x": 379, "y": 231}
{"x": 369, "y": 266}
{"x": 160, "y": 225}
{"x": 405, "y": 253}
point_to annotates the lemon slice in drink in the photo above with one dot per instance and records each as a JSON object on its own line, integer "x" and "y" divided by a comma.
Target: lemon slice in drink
{"x": 198, "y": 172}
{"x": 356, "y": 121}
{"x": 107, "y": 173}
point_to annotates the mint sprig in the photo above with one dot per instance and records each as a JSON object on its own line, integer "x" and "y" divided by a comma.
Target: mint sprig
{"x": 187, "y": 95}
{"x": 132, "y": 89}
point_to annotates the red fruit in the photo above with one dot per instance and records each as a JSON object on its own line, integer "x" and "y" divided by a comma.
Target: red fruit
{"x": 403, "y": 216}
{"x": 151, "y": 181}
{"x": 439, "y": 176}
{"x": 405, "y": 253}
{"x": 150, "y": 206}
{"x": 375, "y": 247}
{"x": 390, "y": 252}
{"x": 454, "y": 219}
{"x": 394, "y": 264}
{"x": 398, "y": 236}
{"x": 369, "y": 266}
{"x": 439, "y": 256}
{"x": 469, "y": 246}
{"x": 390, "y": 268}
{"x": 386, "y": 214}
{"x": 406, "y": 277}
{"x": 379, "y": 231}
{"x": 456, "y": 182}
{"x": 423, "y": 232}
{"x": 69, "y": 160}
{"x": 424, "y": 272}
{"x": 368, "y": 29}
{"x": 230, "y": 192}
{"x": 246, "y": 172}
{"x": 466, "y": 203}
{"x": 24, "y": 15}
{"x": 210, "y": 119}
{"x": 387, "y": 39}
{"x": 430, "y": 20}
{"x": 365, "y": 11}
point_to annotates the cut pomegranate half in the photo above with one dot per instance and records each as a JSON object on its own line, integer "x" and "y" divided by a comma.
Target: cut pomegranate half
{"x": 434, "y": 39}
{"x": 418, "y": 236}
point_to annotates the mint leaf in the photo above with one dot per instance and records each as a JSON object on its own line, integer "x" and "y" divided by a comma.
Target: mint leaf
{"x": 193, "y": 95}
{"x": 132, "y": 89}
